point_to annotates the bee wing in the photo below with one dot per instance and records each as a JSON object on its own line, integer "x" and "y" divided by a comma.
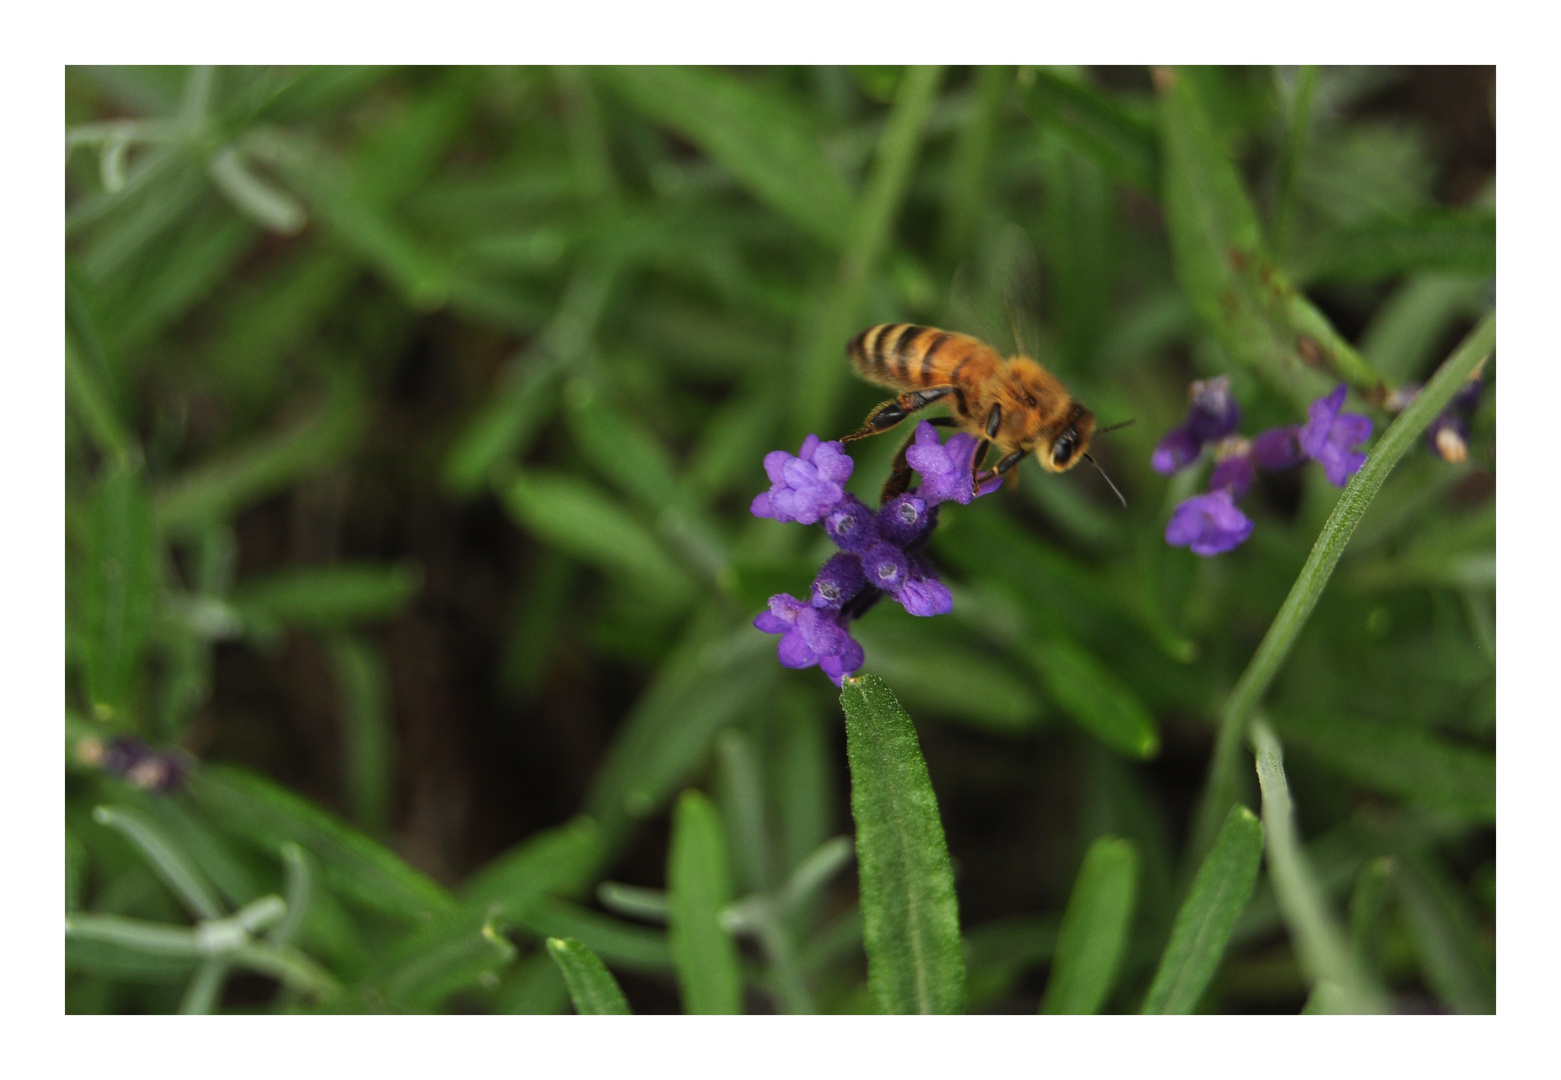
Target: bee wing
{"x": 997, "y": 292}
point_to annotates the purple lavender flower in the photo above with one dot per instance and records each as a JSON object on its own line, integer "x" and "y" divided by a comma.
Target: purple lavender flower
{"x": 806, "y": 487}
{"x": 1277, "y": 448}
{"x": 131, "y": 759}
{"x": 811, "y": 635}
{"x": 1234, "y": 473}
{"x": 1328, "y": 434}
{"x": 1448, "y": 435}
{"x": 880, "y": 553}
{"x": 1209, "y": 524}
{"x": 945, "y": 468}
{"x": 1212, "y": 414}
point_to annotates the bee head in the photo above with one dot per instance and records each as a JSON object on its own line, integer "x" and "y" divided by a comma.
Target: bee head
{"x": 1071, "y": 442}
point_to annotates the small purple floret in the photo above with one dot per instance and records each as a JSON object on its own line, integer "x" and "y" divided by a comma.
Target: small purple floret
{"x": 1209, "y": 524}
{"x": 1328, "y": 435}
{"x": 926, "y": 596}
{"x": 810, "y": 636}
{"x": 1278, "y": 448}
{"x": 805, "y": 487}
{"x": 1176, "y": 450}
{"x": 1234, "y": 475}
{"x": 838, "y": 581}
{"x": 946, "y": 468}
{"x": 1212, "y": 412}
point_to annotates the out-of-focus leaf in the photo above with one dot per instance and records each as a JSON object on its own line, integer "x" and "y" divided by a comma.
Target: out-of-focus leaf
{"x": 1456, "y": 961}
{"x": 998, "y": 954}
{"x": 172, "y": 864}
{"x": 630, "y": 947}
{"x": 556, "y": 862}
{"x": 1120, "y": 139}
{"x": 352, "y": 864}
{"x": 1093, "y": 697}
{"x": 534, "y": 987}
{"x": 218, "y": 489}
{"x": 1407, "y": 327}
{"x": 699, "y": 886}
{"x": 328, "y": 597}
{"x": 1094, "y": 929}
{"x": 1462, "y": 241}
{"x": 363, "y": 689}
{"x": 823, "y": 374}
{"x": 910, "y": 915}
{"x": 1203, "y": 925}
{"x": 89, "y": 399}
{"x": 119, "y": 599}
{"x": 1338, "y": 982}
{"x": 756, "y": 135}
{"x": 937, "y": 675}
{"x": 583, "y": 521}
{"x": 419, "y": 973}
{"x": 707, "y": 681}
{"x": 591, "y": 986}
{"x": 1411, "y": 762}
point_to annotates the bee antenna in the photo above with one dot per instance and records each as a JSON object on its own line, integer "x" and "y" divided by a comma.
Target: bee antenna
{"x": 1121, "y": 424}
{"x": 1103, "y": 475}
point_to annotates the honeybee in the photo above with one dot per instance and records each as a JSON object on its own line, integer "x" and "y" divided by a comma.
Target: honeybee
{"x": 1015, "y": 404}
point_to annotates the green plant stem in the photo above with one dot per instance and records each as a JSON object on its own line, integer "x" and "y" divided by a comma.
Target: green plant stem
{"x": 1220, "y": 790}
{"x": 1289, "y": 165}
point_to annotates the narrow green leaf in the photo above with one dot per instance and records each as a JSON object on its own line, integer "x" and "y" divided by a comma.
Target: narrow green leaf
{"x": 329, "y": 597}
{"x": 591, "y": 986}
{"x": 708, "y": 680}
{"x": 1116, "y": 138}
{"x": 556, "y": 862}
{"x": 205, "y": 989}
{"x": 753, "y": 133}
{"x": 422, "y": 970}
{"x": 369, "y": 733}
{"x": 1320, "y": 945}
{"x": 1462, "y": 241}
{"x": 1219, "y": 792}
{"x": 582, "y": 520}
{"x": 1368, "y": 905}
{"x": 1094, "y": 698}
{"x": 998, "y": 954}
{"x": 269, "y": 815}
{"x": 622, "y": 944}
{"x": 533, "y": 987}
{"x": 1219, "y": 894}
{"x": 1399, "y": 759}
{"x": 699, "y": 886}
{"x": 910, "y": 916}
{"x": 170, "y": 863}
{"x": 218, "y": 489}
{"x": 1094, "y": 930}
{"x": 120, "y": 592}
{"x": 823, "y": 367}
{"x": 1457, "y": 961}
{"x": 88, "y": 397}
{"x": 966, "y": 196}
{"x": 937, "y": 673}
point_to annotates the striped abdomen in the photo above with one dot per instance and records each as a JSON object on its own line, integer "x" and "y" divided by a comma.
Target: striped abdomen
{"x": 910, "y": 357}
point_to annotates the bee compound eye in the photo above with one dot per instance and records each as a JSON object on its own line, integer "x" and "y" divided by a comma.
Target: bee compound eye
{"x": 1063, "y": 448}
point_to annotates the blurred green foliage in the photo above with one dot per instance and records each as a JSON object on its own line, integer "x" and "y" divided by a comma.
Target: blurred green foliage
{"x": 336, "y": 336}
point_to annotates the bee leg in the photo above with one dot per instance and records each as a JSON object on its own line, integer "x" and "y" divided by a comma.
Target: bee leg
{"x": 891, "y": 412}
{"x": 1003, "y": 467}
{"x": 994, "y": 423}
{"x": 899, "y": 475}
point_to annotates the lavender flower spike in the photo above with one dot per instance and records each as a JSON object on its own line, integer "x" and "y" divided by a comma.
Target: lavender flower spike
{"x": 806, "y": 487}
{"x": 1328, "y": 434}
{"x": 1209, "y": 524}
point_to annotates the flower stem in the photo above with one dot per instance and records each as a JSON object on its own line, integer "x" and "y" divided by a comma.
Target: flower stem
{"x": 1220, "y": 791}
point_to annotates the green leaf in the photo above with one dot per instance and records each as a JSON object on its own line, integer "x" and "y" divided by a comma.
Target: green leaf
{"x": 217, "y": 490}
{"x": 624, "y": 945}
{"x": 1218, "y": 895}
{"x": 591, "y": 986}
{"x": 1462, "y": 241}
{"x": 1338, "y": 981}
{"x": 1454, "y": 956}
{"x": 709, "y": 679}
{"x": 580, "y": 519}
{"x": 120, "y": 594}
{"x": 1094, "y": 698}
{"x": 755, "y": 134}
{"x": 1116, "y": 138}
{"x": 328, "y": 597}
{"x": 998, "y": 954}
{"x": 369, "y": 731}
{"x": 1400, "y": 759}
{"x": 1094, "y": 930}
{"x": 1219, "y": 792}
{"x": 937, "y": 673}
{"x": 165, "y": 857}
{"x": 555, "y": 862}
{"x": 910, "y": 916}
{"x": 424, "y": 969}
{"x": 269, "y": 815}
{"x": 699, "y": 886}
